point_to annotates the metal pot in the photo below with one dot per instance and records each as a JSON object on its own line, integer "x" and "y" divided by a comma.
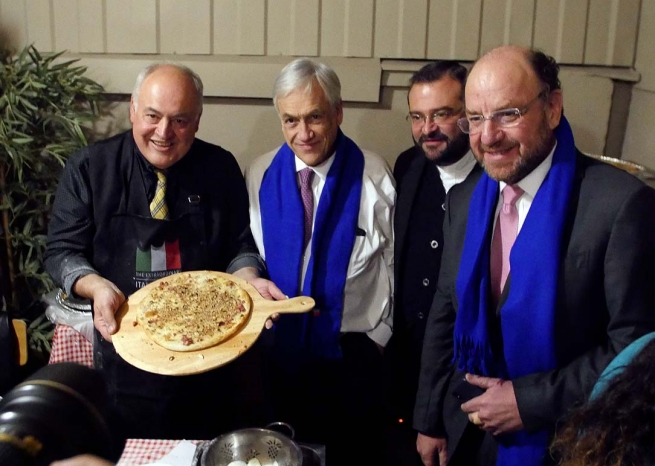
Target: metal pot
{"x": 268, "y": 446}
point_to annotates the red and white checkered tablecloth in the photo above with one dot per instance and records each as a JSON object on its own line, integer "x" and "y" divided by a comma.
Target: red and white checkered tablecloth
{"x": 69, "y": 345}
{"x": 144, "y": 451}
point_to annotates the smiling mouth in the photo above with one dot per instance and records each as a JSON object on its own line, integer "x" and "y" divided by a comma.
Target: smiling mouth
{"x": 161, "y": 144}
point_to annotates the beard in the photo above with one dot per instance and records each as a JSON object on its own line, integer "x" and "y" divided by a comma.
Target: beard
{"x": 525, "y": 163}
{"x": 454, "y": 150}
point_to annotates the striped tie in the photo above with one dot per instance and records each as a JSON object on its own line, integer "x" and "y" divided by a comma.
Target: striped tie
{"x": 158, "y": 207}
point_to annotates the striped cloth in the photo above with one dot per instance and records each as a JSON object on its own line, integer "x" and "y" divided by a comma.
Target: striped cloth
{"x": 146, "y": 451}
{"x": 158, "y": 207}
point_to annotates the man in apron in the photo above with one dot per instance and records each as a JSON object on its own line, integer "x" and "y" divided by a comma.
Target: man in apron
{"x": 142, "y": 205}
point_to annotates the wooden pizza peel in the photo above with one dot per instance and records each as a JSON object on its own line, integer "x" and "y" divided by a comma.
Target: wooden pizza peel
{"x": 133, "y": 345}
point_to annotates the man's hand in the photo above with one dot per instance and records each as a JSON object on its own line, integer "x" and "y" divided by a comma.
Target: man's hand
{"x": 495, "y": 410}
{"x": 106, "y": 297}
{"x": 431, "y": 448}
{"x": 266, "y": 288}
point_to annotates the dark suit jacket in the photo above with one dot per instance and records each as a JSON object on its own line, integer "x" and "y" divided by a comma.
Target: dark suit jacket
{"x": 605, "y": 300}
{"x": 418, "y": 246}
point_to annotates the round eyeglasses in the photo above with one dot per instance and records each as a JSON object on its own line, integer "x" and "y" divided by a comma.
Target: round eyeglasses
{"x": 440, "y": 117}
{"x": 505, "y": 118}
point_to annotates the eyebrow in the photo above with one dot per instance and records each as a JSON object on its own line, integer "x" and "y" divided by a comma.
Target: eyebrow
{"x": 433, "y": 110}
{"x": 177, "y": 115}
{"x": 311, "y": 112}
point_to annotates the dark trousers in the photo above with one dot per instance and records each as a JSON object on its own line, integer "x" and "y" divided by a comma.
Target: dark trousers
{"x": 336, "y": 403}
{"x": 475, "y": 448}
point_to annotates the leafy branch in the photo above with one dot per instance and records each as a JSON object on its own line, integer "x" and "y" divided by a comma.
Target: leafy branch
{"x": 46, "y": 108}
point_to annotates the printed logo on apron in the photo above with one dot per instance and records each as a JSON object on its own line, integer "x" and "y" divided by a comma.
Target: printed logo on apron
{"x": 157, "y": 262}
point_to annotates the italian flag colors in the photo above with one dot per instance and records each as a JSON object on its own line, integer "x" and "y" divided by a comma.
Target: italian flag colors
{"x": 158, "y": 258}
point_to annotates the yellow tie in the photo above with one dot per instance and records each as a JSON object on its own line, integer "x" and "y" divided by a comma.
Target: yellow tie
{"x": 158, "y": 207}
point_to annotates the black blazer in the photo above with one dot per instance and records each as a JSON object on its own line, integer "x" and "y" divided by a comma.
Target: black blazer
{"x": 606, "y": 299}
{"x": 418, "y": 246}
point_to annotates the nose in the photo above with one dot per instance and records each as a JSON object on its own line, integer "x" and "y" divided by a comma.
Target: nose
{"x": 428, "y": 126}
{"x": 164, "y": 128}
{"x": 490, "y": 133}
{"x": 304, "y": 131}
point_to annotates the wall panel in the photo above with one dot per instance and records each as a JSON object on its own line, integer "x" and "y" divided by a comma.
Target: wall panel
{"x": 67, "y": 27}
{"x": 239, "y": 27}
{"x": 400, "y": 28}
{"x": 39, "y": 25}
{"x": 559, "y": 29}
{"x": 293, "y": 27}
{"x": 13, "y": 23}
{"x": 611, "y": 32}
{"x": 645, "y": 61}
{"x": 132, "y": 26}
{"x": 506, "y": 22}
{"x": 454, "y": 29}
{"x": 347, "y": 28}
{"x": 184, "y": 26}
{"x": 93, "y": 29}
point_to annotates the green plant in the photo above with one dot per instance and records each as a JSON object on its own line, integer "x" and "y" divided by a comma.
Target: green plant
{"x": 46, "y": 108}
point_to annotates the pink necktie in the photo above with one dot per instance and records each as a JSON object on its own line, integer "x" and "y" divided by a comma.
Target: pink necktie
{"x": 504, "y": 236}
{"x": 306, "y": 177}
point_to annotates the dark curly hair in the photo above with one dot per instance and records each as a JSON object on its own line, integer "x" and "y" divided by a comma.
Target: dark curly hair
{"x": 546, "y": 69}
{"x": 618, "y": 427}
{"x": 438, "y": 70}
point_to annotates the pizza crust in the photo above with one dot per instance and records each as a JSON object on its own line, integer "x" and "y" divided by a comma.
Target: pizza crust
{"x": 193, "y": 311}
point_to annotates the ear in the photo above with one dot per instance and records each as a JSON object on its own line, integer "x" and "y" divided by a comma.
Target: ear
{"x": 132, "y": 110}
{"x": 554, "y": 107}
{"x": 339, "y": 110}
{"x": 198, "y": 122}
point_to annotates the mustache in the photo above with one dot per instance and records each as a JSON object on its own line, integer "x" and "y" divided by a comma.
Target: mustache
{"x": 495, "y": 148}
{"x": 433, "y": 136}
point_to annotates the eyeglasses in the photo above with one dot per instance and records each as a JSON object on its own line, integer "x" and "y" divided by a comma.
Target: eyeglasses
{"x": 440, "y": 117}
{"x": 505, "y": 118}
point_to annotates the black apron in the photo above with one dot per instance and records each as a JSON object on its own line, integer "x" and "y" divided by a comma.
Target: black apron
{"x": 128, "y": 251}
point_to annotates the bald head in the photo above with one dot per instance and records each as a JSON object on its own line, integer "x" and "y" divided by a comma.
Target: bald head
{"x": 507, "y": 78}
{"x": 165, "y": 113}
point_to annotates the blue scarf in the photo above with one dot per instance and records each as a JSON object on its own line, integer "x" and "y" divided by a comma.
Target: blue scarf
{"x": 302, "y": 337}
{"x": 528, "y": 314}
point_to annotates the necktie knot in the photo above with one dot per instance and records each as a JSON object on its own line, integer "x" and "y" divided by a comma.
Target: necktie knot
{"x": 306, "y": 176}
{"x": 511, "y": 194}
{"x": 307, "y": 195}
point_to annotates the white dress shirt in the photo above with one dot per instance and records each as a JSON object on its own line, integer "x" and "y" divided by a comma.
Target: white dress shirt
{"x": 457, "y": 172}
{"x": 368, "y": 293}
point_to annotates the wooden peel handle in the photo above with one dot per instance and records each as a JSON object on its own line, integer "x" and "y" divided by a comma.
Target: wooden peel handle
{"x": 287, "y": 306}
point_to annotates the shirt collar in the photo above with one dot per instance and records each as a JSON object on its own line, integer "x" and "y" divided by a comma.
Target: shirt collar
{"x": 531, "y": 183}
{"x": 321, "y": 169}
{"x": 459, "y": 169}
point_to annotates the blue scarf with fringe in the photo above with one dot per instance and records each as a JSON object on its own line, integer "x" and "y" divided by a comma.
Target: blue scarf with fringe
{"x": 528, "y": 314}
{"x": 299, "y": 338}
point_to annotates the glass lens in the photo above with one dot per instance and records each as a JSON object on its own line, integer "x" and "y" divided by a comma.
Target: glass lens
{"x": 463, "y": 124}
{"x": 506, "y": 117}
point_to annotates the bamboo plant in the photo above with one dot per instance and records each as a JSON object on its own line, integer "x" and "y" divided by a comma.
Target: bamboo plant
{"x": 46, "y": 108}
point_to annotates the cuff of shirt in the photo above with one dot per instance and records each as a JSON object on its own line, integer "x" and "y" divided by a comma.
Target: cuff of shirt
{"x": 247, "y": 260}
{"x": 380, "y": 334}
{"x": 73, "y": 275}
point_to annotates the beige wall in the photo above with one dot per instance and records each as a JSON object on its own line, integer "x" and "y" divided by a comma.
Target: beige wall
{"x": 238, "y": 46}
{"x": 250, "y": 127}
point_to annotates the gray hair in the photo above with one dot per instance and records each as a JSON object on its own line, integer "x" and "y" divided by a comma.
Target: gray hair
{"x": 148, "y": 70}
{"x": 300, "y": 73}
